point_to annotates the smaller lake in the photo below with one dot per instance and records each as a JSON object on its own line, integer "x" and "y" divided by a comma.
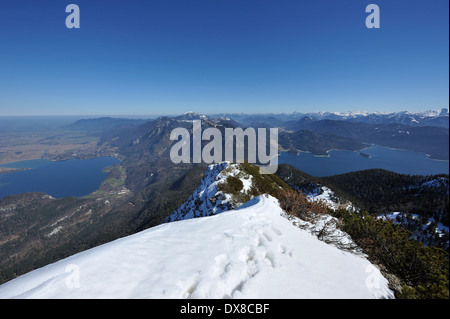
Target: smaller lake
{"x": 339, "y": 162}
{"x": 58, "y": 179}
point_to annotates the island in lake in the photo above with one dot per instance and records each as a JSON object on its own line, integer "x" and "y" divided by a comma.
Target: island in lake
{"x": 364, "y": 154}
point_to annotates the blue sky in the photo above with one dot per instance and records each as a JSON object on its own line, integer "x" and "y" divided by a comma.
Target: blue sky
{"x": 171, "y": 56}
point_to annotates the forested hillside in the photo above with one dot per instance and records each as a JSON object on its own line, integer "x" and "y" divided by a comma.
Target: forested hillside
{"x": 422, "y": 200}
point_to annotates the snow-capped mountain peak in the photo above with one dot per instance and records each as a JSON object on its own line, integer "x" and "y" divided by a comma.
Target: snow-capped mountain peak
{"x": 189, "y": 116}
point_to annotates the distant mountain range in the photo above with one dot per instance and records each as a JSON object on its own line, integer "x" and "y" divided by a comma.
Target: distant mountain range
{"x": 427, "y": 118}
{"x": 426, "y": 132}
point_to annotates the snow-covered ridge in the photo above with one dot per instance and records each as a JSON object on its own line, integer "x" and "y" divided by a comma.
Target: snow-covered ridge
{"x": 252, "y": 252}
{"x": 207, "y": 200}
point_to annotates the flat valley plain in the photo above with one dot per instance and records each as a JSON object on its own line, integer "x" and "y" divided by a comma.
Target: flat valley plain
{"x": 51, "y": 144}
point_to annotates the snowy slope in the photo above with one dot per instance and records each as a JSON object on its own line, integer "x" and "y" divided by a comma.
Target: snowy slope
{"x": 327, "y": 196}
{"x": 252, "y": 252}
{"x": 206, "y": 199}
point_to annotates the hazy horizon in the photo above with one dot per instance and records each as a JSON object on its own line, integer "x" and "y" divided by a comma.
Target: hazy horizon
{"x": 210, "y": 113}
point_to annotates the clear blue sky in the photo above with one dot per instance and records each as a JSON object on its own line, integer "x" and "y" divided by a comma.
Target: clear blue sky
{"x": 172, "y": 56}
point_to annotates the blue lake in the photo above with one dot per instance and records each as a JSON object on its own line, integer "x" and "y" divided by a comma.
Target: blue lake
{"x": 58, "y": 179}
{"x": 339, "y": 162}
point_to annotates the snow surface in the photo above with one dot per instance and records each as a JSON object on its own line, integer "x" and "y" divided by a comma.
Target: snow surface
{"x": 207, "y": 200}
{"x": 251, "y": 252}
{"x": 328, "y": 197}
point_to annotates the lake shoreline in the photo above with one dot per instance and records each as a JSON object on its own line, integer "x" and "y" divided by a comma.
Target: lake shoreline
{"x": 71, "y": 177}
{"x": 362, "y": 149}
{"x": 376, "y": 156}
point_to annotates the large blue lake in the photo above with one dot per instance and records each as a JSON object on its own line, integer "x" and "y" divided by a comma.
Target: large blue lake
{"x": 59, "y": 179}
{"x": 339, "y": 162}
{"x": 82, "y": 177}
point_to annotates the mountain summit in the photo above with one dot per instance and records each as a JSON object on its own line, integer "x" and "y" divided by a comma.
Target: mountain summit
{"x": 249, "y": 252}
